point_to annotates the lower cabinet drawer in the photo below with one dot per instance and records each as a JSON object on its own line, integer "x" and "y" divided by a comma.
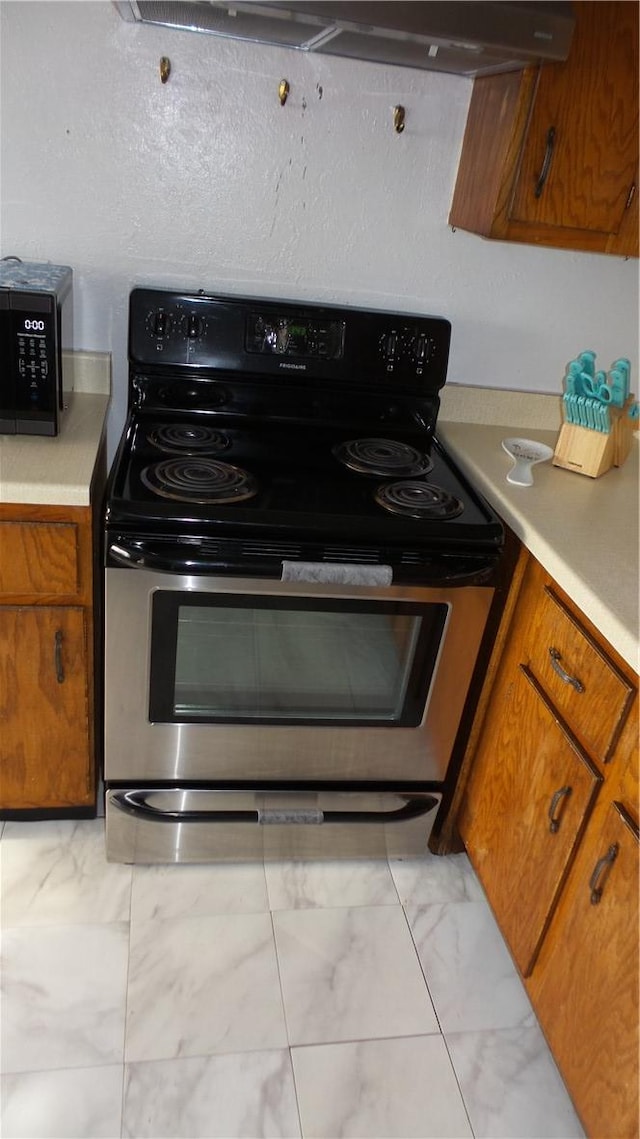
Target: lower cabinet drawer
{"x": 584, "y": 685}
{"x": 39, "y": 559}
{"x": 529, "y": 796}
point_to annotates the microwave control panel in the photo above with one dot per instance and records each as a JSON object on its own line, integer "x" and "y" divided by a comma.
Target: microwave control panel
{"x": 34, "y": 358}
{"x": 33, "y": 352}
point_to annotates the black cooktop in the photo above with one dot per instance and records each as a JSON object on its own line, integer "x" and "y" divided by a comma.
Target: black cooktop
{"x": 297, "y": 482}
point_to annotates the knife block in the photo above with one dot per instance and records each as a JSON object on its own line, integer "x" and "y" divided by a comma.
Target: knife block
{"x": 593, "y": 453}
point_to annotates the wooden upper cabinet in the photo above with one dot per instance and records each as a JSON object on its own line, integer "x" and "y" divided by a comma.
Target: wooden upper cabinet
{"x": 550, "y": 155}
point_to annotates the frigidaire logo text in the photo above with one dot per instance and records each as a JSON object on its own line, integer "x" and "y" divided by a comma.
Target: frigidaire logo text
{"x": 295, "y": 367}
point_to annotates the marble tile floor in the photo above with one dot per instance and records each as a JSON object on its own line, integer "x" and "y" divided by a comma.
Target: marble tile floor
{"x": 318, "y": 1000}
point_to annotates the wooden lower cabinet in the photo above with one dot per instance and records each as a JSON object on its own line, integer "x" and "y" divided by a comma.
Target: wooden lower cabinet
{"x": 44, "y": 708}
{"x": 48, "y": 617}
{"x": 524, "y": 818}
{"x": 548, "y": 811}
{"x": 585, "y": 990}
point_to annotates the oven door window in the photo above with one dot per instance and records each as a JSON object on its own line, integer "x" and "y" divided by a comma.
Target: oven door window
{"x": 280, "y": 660}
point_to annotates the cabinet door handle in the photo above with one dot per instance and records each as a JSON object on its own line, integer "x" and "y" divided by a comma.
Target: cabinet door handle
{"x": 57, "y": 657}
{"x": 554, "y": 820}
{"x": 606, "y": 860}
{"x": 565, "y": 676}
{"x": 546, "y": 162}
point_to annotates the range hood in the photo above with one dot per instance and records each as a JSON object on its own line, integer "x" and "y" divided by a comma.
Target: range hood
{"x": 467, "y": 37}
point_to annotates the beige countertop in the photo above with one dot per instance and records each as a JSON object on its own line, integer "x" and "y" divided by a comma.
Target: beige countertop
{"x": 584, "y": 531}
{"x": 57, "y": 471}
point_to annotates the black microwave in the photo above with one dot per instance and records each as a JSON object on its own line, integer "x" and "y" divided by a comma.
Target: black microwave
{"x": 35, "y": 327}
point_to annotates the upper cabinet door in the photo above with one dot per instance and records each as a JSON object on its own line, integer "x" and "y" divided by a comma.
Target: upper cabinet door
{"x": 550, "y": 154}
{"x": 580, "y": 159}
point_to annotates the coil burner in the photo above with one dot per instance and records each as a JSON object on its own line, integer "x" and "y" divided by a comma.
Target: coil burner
{"x": 383, "y": 457}
{"x": 418, "y": 500}
{"x": 196, "y": 479}
{"x": 188, "y": 439}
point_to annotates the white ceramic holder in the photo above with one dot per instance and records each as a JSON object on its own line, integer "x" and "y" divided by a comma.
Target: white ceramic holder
{"x": 525, "y": 454}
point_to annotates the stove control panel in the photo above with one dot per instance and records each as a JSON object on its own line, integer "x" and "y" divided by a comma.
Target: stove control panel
{"x": 407, "y": 346}
{"x": 296, "y": 342}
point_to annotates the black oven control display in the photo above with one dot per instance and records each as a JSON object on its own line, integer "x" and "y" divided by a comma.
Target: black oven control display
{"x": 292, "y": 337}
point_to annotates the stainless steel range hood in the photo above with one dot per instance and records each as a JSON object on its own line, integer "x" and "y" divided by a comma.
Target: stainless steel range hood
{"x": 467, "y": 37}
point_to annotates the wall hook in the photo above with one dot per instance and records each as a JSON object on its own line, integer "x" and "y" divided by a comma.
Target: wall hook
{"x": 165, "y": 68}
{"x": 398, "y": 119}
{"x": 283, "y": 91}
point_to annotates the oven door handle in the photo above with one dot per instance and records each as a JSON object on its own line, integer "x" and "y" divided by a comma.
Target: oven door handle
{"x": 138, "y": 556}
{"x": 142, "y": 555}
{"x": 135, "y": 803}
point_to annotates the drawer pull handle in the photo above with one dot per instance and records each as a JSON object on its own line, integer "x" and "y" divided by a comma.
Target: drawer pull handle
{"x": 57, "y": 656}
{"x": 564, "y": 676}
{"x": 546, "y": 163}
{"x": 606, "y": 860}
{"x": 554, "y": 820}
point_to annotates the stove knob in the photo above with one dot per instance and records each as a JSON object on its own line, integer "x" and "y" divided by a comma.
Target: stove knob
{"x": 160, "y": 325}
{"x": 193, "y": 326}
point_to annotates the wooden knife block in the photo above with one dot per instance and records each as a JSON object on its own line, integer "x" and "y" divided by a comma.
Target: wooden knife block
{"x": 592, "y": 453}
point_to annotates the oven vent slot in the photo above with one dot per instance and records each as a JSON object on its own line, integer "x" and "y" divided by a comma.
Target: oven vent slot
{"x": 415, "y": 557}
{"x": 271, "y": 549}
{"x": 352, "y": 554}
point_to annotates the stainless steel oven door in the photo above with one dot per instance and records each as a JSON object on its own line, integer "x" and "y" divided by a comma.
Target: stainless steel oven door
{"x": 217, "y": 678}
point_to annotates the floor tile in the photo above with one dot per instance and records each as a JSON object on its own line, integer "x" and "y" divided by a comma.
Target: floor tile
{"x": 64, "y": 1104}
{"x": 392, "y": 1088}
{"x": 350, "y": 974}
{"x": 432, "y": 878}
{"x": 470, "y": 974}
{"x": 203, "y": 985}
{"x": 63, "y": 996}
{"x": 241, "y": 1095}
{"x": 305, "y": 885}
{"x": 197, "y": 891}
{"x": 511, "y": 1085}
{"x": 55, "y": 873}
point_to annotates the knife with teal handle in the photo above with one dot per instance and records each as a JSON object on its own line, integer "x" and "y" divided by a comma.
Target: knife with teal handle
{"x": 596, "y": 387}
{"x": 623, "y": 368}
{"x": 619, "y": 383}
{"x": 588, "y": 362}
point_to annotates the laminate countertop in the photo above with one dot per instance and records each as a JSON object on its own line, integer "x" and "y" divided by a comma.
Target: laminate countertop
{"x": 583, "y": 531}
{"x": 57, "y": 471}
